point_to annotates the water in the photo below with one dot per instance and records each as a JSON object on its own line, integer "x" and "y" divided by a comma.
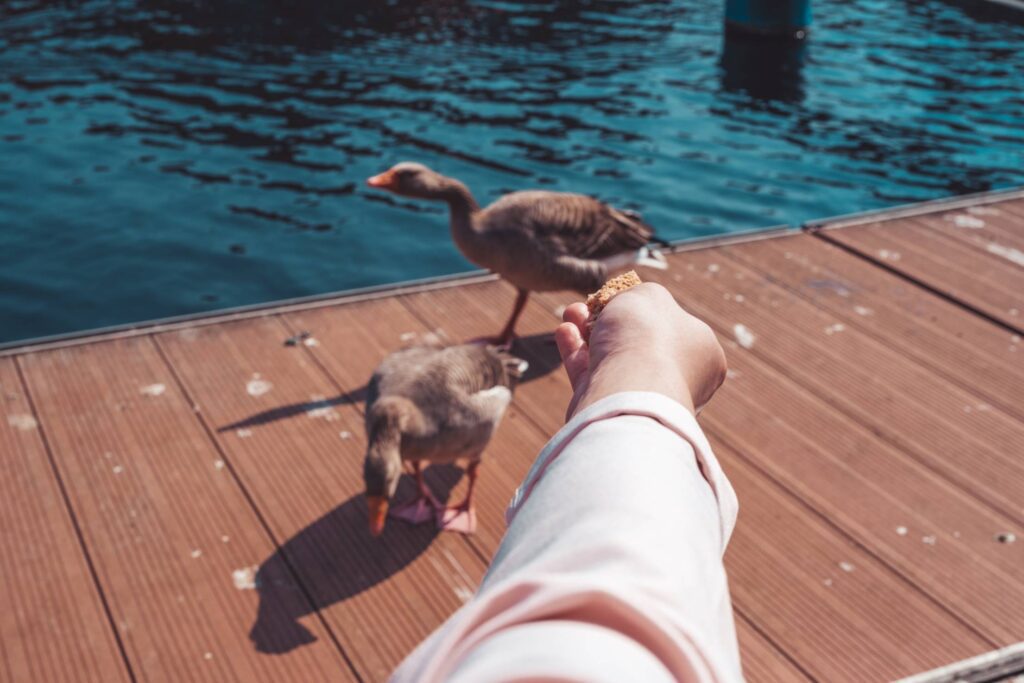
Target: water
{"x": 162, "y": 157}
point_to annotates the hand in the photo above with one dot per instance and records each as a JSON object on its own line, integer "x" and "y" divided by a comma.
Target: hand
{"x": 642, "y": 341}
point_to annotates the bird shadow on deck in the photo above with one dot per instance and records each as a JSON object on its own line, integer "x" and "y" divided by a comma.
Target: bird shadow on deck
{"x": 537, "y": 349}
{"x": 336, "y": 558}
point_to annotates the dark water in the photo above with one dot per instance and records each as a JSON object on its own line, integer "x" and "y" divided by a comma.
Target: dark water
{"x": 160, "y": 157}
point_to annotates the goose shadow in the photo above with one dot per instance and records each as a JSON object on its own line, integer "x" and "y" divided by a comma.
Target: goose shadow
{"x": 538, "y": 350}
{"x": 334, "y": 559}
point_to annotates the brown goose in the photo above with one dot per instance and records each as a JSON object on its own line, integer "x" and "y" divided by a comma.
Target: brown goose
{"x": 434, "y": 404}
{"x": 537, "y": 240}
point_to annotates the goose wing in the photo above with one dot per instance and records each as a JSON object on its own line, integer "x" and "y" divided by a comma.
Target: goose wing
{"x": 568, "y": 224}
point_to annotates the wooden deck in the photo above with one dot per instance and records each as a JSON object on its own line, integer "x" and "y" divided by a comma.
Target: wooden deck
{"x": 182, "y": 502}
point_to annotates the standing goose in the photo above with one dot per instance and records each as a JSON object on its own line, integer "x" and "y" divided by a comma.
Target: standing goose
{"x": 434, "y": 404}
{"x": 537, "y": 240}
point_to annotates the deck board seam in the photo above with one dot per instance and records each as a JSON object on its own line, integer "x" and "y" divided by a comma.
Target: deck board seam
{"x": 250, "y": 499}
{"x": 749, "y": 620}
{"x": 842, "y": 533}
{"x": 1013, "y": 411}
{"x": 69, "y": 508}
{"x": 828, "y": 399}
{"x": 823, "y": 235}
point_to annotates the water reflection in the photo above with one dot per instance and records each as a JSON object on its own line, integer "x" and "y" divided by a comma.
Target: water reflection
{"x": 764, "y": 68}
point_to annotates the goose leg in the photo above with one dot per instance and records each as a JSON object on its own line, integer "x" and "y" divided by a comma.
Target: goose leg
{"x": 509, "y": 333}
{"x": 424, "y": 507}
{"x": 462, "y": 517}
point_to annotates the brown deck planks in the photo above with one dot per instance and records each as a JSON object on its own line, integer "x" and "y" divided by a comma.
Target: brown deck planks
{"x": 155, "y": 509}
{"x": 872, "y": 431}
{"x": 53, "y": 625}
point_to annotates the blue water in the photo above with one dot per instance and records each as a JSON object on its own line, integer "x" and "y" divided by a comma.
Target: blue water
{"x": 162, "y": 157}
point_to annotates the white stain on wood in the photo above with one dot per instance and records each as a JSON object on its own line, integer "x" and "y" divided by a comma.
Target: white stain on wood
{"x": 846, "y": 567}
{"x": 888, "y": 255}
{"x": 901, "y": 530}
{"x": 153, "y": 389}
{"x": 744, "y": 337}
{"x": 22, "y": 422}
{"x": 243, "y": 433}
{"x": 319, "y": 408}
{"x": 258, "y": 386}
{"x": 245, "y": 578}
{"x": 1012, "y": 255}
{"x": 835, "y": 328}
{"x": 862, "y": 310}
{"x": 963, "y": 220}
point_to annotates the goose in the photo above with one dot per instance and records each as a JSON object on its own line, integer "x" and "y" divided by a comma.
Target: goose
{"x": 537, "y": 240}
{"x": 435, "y": 404}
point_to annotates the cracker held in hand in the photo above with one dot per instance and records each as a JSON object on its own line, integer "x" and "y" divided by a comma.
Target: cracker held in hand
{"x": 599, "y": 299}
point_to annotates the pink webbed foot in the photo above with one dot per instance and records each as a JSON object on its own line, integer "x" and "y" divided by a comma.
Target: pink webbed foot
{"x": 459, "y": 520}
{"x": 417, "y": 511}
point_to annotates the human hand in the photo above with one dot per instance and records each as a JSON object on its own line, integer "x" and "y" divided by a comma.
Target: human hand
{"x": 642, "y": 341}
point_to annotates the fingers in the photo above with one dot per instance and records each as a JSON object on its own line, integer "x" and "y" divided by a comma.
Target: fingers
{"x": 576, "y": 314}
{"x": 573, "y": 350}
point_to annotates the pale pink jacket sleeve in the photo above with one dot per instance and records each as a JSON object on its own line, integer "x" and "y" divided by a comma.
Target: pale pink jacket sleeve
{"x": 611, "y": 565}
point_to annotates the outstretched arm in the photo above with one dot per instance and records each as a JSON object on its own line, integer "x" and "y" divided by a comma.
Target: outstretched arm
{"x": 611, "y": 567}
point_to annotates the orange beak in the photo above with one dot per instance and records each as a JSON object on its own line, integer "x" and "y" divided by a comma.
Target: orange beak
{"x": 378, "y": 507}
{"x": 384, "y": 181}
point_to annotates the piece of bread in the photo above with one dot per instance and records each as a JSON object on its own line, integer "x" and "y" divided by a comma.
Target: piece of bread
{"x": 599, "y": 299}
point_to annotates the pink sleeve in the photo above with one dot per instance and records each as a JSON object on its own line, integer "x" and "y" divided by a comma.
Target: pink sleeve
{"x": 616, "y": 535}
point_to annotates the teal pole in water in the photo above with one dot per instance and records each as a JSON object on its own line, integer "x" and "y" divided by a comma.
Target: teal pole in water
{"x": 777, "y": 18}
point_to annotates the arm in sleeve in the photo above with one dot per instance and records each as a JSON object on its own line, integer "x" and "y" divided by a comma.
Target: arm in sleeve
{"x": 614, "y": 548}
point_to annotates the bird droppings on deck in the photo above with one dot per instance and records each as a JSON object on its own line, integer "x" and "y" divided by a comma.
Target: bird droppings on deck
{"x": 196, "y": 554}
{"x": 901, "y": 530}
{"x": 153, "y": 389}
{"x": 888, "y": 255}
{"x": 218, "y": 464}
{"x": 225, "y": 538}
{"x": 245, "y": 578}
{"x": 258, "y": 386}
{"x": 345, "y": 435}
{"x": 1006, "y": 537}
{"x": 296, "y": 339}
{"x": 1015, "y": 256}
{"x": 733, "y": 374}
{"x": 243, "y": 433}
{"x": 739, "y": 298}
{"x": 963, "y": 220}
{"x": 835, "y": 328}
{"x": 827, "y": 583}
{"x": 321, "y": 408}
{"x": 744, "y": 337}
{"x": 22, "y": 422}
{"x": 311, "y": 342}
{"x": 846, "y": 567}
{"x": 117, "y": 469}
{"x": 1014, "y": 312}
{"x": 208, "y": 656}
{"x": 407, "y": 336}
{"x": 929, "y": 540}
{"x": 714, "y": 267}
{"x": 983, "y": 211}
{"x": 862, "y": 310}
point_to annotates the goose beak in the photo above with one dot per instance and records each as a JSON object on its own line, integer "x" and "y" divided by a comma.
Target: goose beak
{"x": 384, "y": 181}
{"x": 378, "y": 507}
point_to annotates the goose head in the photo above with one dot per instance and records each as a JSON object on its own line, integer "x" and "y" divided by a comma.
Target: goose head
{"x": 381, "y": 471}
{"x": 411, "y": 179}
